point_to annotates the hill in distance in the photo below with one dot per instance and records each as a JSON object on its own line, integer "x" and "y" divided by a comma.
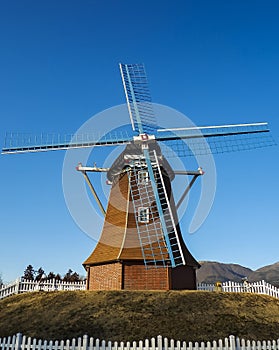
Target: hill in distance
{"x": 211, "y": 272}
{"x": 128, "y": 316}
{"x": 269, "y": 273}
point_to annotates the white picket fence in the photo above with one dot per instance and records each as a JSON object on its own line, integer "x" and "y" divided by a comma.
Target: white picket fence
{"x": 260, "y": 287}
{"x": 22, "y": 285}
{"x": 19, "y": 342}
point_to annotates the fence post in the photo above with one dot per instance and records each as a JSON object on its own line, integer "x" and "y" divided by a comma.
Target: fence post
{"x": 237, "y": 343}
{"x": 84, "y": 342}
{"x": 53, "y": 285}
{"x": 232, "y": 342}
{"x": 160, "y": 342}
{"x": 18, "y": 341}
{"x": 17, "y": 283}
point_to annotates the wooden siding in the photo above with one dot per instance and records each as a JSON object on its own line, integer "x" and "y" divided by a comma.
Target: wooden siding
{"x": 114, "y": 238}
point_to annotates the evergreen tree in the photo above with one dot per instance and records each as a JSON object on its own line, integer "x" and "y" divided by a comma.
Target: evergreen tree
{"x": 68, "y": 275}
{"x": 58, "y": 277}
{"x": 75, "y": 277}
{"x": 51, "y": 276}
{"x": 39, "y": 274}
{"x": 29, "y": 273}
{"x": 72, "y": 276}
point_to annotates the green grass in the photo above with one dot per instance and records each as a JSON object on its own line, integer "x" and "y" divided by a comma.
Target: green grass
{"x": 127, "y": 316}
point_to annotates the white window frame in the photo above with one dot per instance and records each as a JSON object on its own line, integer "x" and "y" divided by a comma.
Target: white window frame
{"x": 143, "y": 215}
{"x": 143, "y": 177}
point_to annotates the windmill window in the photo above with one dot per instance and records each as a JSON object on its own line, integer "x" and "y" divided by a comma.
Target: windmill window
{"x": 143, "y": 214}
{"x": 143, "y": 177}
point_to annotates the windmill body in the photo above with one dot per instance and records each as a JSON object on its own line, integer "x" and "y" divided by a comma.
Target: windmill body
{"x": 132, "y": 252}
{"x": 141, "y": 244}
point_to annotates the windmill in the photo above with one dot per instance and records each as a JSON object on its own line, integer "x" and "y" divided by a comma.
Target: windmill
{"x": 141, "y": 244}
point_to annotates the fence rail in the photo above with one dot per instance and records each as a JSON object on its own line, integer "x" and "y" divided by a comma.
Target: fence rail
{"x": 19, "y": 342}
{"x": 22, "y": 285}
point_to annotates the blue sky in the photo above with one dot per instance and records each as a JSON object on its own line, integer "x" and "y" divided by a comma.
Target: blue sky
{"x": 214, "y": 61}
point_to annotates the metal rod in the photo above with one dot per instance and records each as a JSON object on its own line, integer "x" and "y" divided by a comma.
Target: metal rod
{"x": 94, "y": 192}
{"x": 92, "y": 169}
{"x": 184, "y": 194}
{"x": 185, "y": 172}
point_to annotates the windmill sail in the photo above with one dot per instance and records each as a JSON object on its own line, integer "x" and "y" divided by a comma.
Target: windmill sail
{"x": 154, "y": 219}
{"x": 25, "y": 142}
{"x": 174, "y": 142}
{"x": 184, "y": 142}
{"x": 138, "y": 98}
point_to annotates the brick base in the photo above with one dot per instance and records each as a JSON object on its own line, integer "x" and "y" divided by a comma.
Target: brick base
{"x": 105, "y": 277}
{"x": 138, "y": 277}
{"x": 135, "y": 276}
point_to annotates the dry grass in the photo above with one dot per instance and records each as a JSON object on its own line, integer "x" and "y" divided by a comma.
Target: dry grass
{"x": 183, "y": 315}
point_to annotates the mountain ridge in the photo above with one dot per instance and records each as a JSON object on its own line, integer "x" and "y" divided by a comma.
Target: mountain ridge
{"x": 213, "y": 271}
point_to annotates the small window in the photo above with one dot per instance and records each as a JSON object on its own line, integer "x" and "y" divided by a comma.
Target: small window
{"x": 143, "y": 214}
{"x": 143, "y": 177}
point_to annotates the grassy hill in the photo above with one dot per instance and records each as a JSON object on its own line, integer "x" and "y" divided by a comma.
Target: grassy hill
{"x": 183, "y": 315}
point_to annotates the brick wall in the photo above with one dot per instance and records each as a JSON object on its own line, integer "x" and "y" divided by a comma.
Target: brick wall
{"x": 137, "y": 277}
{"x": 105, "y": 277}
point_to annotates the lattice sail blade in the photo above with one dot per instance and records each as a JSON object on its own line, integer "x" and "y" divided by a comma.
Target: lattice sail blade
{"x": 138, "y": 98}
{"x": 155, "y": 224}
{"x": 25, "y": 142}
{"x": 214, "y": 139}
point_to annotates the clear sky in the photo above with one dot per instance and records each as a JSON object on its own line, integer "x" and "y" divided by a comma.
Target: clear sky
{"x": 214, "y": 61}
